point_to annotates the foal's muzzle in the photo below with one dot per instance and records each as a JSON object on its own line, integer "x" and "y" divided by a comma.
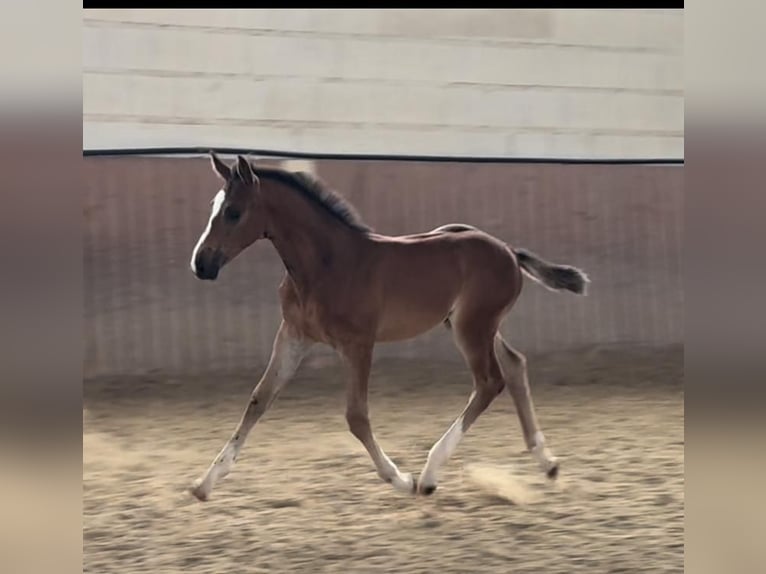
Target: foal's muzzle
{"x": 207, "y": 264}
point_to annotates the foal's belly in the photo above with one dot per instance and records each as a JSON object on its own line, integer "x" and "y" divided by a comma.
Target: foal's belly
{"x": 399, "y": 326}
{"x": 417, "y": 298}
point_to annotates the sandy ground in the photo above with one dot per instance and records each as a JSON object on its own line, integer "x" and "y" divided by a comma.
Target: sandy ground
{"x": 304, "y": 496}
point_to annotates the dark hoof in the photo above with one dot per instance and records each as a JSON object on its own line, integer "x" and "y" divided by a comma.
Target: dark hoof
{"x": 198, "y": 494}
{"x": 428, "y": 490}
{"x": 553, "y": 473}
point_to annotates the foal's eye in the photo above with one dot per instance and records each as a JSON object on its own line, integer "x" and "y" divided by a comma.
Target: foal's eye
{"x": 231, "y": 214}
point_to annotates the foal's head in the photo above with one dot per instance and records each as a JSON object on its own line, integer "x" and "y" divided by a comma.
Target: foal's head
{"x": 236, "y": 221}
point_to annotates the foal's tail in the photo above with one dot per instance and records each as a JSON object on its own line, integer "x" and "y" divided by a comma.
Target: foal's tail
{"x": 553, "y": 276}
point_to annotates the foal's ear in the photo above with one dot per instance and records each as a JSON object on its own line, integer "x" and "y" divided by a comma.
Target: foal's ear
{"x": 245, "y": 171}
{"x": 223, "y": 170}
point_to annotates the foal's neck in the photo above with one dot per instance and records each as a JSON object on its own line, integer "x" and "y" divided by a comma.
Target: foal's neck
{"x": 311, "y": 242}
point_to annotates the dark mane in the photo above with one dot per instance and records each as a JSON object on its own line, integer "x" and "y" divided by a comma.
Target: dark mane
{"x": 319, "y": 192}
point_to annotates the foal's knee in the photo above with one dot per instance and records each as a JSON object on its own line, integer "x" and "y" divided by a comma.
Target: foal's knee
{"x": 495, "y": 386}
{"x": 487, "y": 389}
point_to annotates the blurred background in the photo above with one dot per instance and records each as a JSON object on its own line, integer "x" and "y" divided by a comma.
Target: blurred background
{"x": 541, "y": 84}
{"x": 561, "y": 131}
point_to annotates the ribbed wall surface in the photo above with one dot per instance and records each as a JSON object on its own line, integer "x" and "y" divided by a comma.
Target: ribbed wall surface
{"x": 145, "y": 311}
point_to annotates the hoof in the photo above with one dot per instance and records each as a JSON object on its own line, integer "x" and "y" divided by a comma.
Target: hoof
{"x": 424, "y": 489}
{"x": 428, "y": 490}
{"x": 553, "y": 472}
{"x": 199, "y": 493}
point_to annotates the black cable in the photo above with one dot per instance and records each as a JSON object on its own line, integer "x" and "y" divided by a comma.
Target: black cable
{"x": 368, "y": 157}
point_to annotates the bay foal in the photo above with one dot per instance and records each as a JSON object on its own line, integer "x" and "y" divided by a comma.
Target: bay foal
{"x": 350, "y": 288}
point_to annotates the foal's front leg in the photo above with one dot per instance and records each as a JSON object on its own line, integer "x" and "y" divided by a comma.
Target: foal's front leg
{"x": 359, "y": 359}
{"x": 286, "y": 355}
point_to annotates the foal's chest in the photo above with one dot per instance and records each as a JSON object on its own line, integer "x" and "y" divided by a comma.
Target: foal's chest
{"x": 326, "y": 316}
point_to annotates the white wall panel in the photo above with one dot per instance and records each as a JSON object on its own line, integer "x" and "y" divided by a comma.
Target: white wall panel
{"x": 576, "y": 83}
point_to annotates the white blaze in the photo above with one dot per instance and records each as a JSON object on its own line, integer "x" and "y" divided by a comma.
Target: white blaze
{"x": 217, "y": 203}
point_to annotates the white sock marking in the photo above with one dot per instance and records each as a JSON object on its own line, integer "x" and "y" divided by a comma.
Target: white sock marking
{"x": 400, "y": 481}
{"x": 541, "y": 453}
{"x": 441, "y": 452}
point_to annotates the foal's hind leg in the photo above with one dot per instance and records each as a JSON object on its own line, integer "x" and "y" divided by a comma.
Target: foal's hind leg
{"x": 359, "y": 358}
{"x": 514, "y": 366}
{"x": 287, "y": 353}
{"x": 476, "y": 346}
